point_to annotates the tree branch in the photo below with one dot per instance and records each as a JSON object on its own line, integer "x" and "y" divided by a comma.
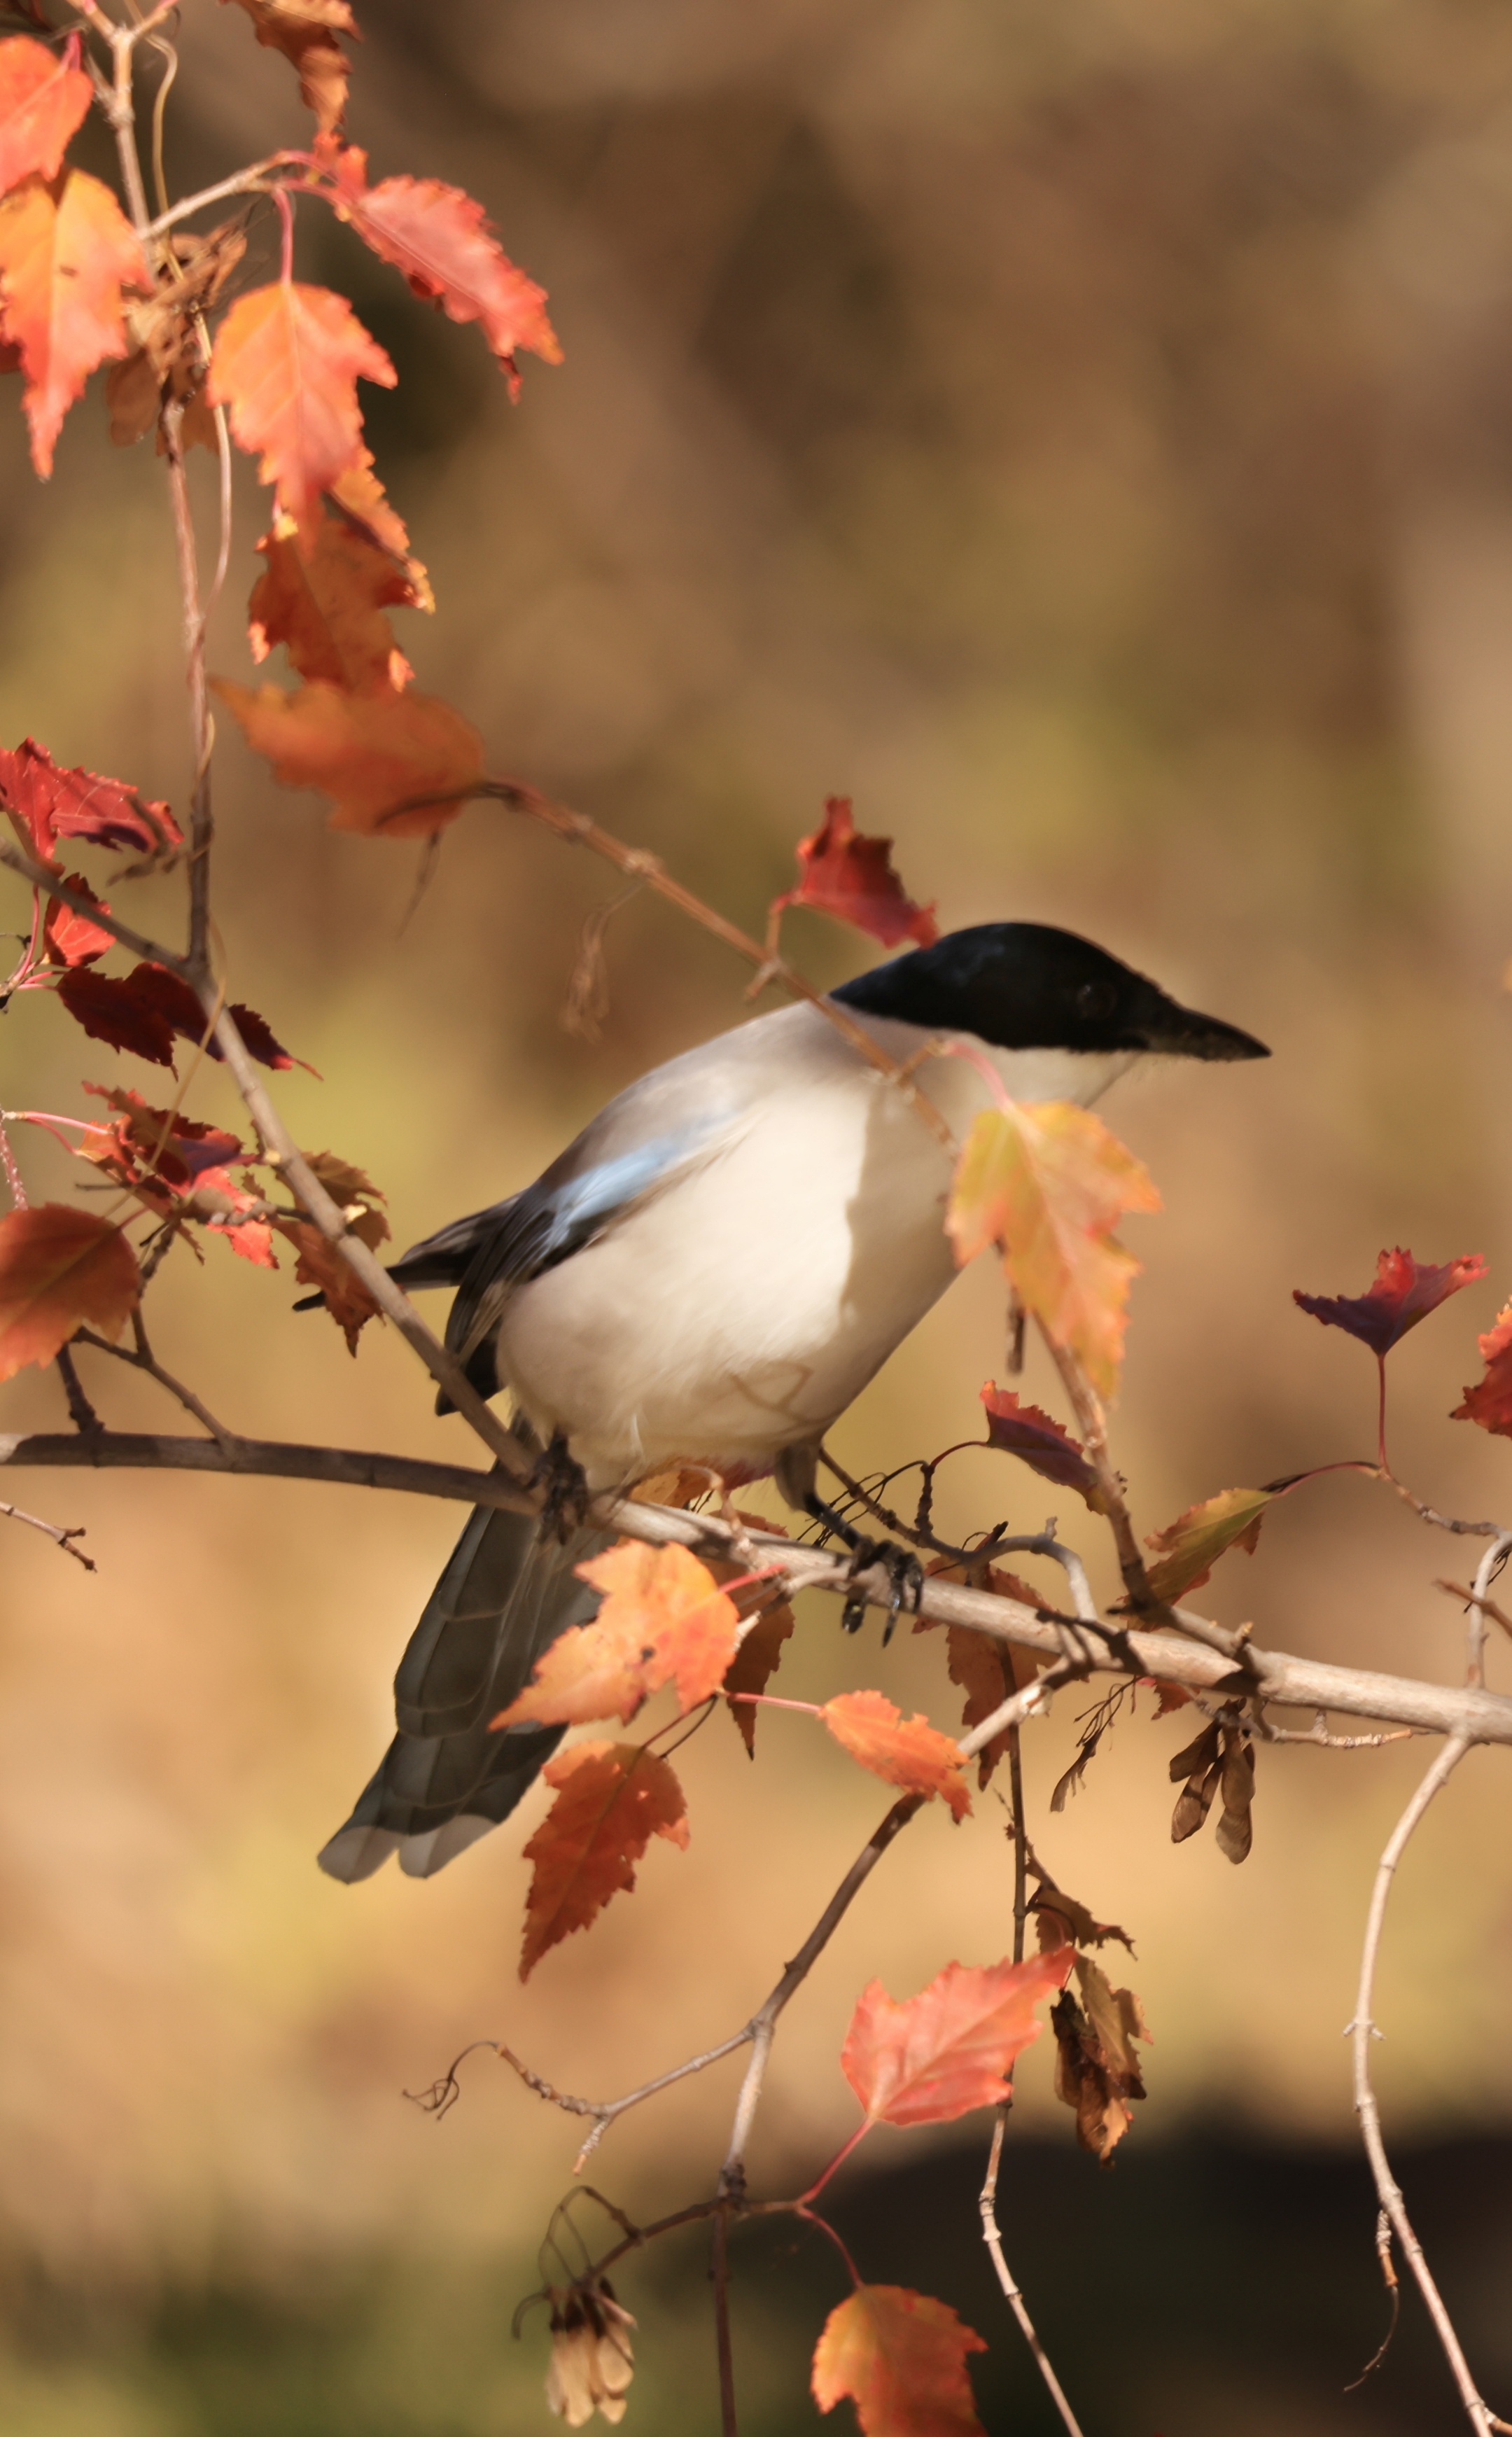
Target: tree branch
{"x": 1482, "y": 2418}
{"x": 1268, "y": 1675}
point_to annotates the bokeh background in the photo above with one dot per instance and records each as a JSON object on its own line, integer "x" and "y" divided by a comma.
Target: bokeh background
{"x": 1084, "y": 436}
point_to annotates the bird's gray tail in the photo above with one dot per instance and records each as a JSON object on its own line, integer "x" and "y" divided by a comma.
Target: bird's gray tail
{"x": 448, "y": 1777}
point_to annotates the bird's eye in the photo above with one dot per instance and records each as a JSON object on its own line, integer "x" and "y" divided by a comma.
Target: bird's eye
{"x": 1095, "y": 1001}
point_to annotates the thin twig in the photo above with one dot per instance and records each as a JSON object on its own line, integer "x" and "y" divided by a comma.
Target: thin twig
{"x": 145, "y": 1359}
{"x": 987, "y": 2204}
{"x": 201, "y": 827}
{"x": 80, "y": 1411}
{"x": 64, "y": 1537}
{"x": 1363, "y": 2030}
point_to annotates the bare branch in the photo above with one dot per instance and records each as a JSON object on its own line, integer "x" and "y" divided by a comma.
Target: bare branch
{"x": 1363, "y": 2029}
{"x": 64, "y": 1538}
{"x": 145, "y": 1359}
{"x": 987, "y": 2204}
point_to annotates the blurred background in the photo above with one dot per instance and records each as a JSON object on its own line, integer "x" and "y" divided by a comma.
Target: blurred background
{"x": 1084, "y": 436}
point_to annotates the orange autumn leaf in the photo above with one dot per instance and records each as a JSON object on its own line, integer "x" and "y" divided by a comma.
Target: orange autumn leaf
{"x": 989, "y": 1673}
{"x": 58, "y": 1268}
{"x": 363, "y": 501}
{"x": 306, "y": 31}
{"x": 1049, "y": 1183}
{"x": 901, "y": 2356}
{"x": 64, "y": 261}
{"x": 441, "y": 241}
{"x": 1188, "y": 1548}
{"x": 663, "y": 1620}
{"x": 754, "y": 1665}
{"x": 370, "y": 753}
{"x": 325, "y": 605}
{"x": 321, "y": 1265}
{"x": 938, "y": 2055}
{"x": 285, "y": 366}
{"x": 1489, "y": 1401}
{"x": 611, "y": 1799}
{"x": 851, "y": 877}
{"x": 906, "y": 1751}
{"x": 42, "y": 102}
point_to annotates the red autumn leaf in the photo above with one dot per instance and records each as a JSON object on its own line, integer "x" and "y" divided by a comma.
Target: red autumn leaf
{"x": 49, "y": 804}
{"x": 611, "y": 1799}
{"x": 43, "y": 99}
{"x": 901, "y": 2358}
{"x": 1489, "y": 1402}
{"x": 1039, "y": 1441}
{"x": 285, "y": 366}
{"x": 370, "y": 753}
{"x": 150, "y": 1007}
{"x": 64, "y": 263}
{"x": 258, "y": 1041}
{"x": 361, "y": 498}
{"x": 754, "y": 1665}
{"x": 1403, "y": 1292}
{"x": 117, "y": 1013}
{"x": 938, "y": 2055}
{"x": 906, "y": 1751}
{"x": 216, "y": 1198}
{"x": 441, "y": 241}
{"x": 321, "y": 1265}
{"x": 59, "y": 1267}
{"x": 1190, "y": 1548}
{"x": 70, "y": 938}
{"x": 306, "y": 31}
{"x": 1049, "y": 1183}
{"x": 989, "y": 1673}
{"x": 852, "y": 878}
{"x": 663, "y": 1619}
{"x": 327, "y": 606}
{"x": 177, "y": 1148}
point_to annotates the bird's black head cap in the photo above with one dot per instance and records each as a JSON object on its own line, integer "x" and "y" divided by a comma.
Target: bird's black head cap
{"x": 1025, "y": 986}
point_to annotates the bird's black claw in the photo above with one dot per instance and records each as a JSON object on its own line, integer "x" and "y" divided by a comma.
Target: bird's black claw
{"x": 566, "y": 1495}
{"x": 906, "y": 1577}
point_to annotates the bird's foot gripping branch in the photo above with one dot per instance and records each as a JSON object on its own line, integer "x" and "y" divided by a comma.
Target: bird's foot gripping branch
{"x": 691, "y": 1610}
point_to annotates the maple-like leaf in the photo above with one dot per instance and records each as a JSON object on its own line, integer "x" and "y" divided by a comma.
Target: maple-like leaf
{"x": 361, "y": 498}
{"x": 44, "y": 100}
{"x": 306, "y": 31}
{"x": 754, "y": 1665}
{"x": 901, "y": 2356}
{"x": 325, "y": 605}
{"x": 851, "y": 877}
{"x": 989, "y": 1673}
{"x": 370, "y": 753}
{"x": 937, "y": 2055}
{"x": 1096, "y": 2071}
{"x": 1039, "y": 1441}
{"x": 48, "y": 804}
{"x": 1403, "y": 1293}
{"x": 321, "y": 1265}
{"x": 441, "y": 241}
{"x": 1062, "y": 1920}
{"x": 611, "y": 1799}
{"x": 663, "y": 1620}
{"x": 178, "y": 1148}
{"x": 64, "y": 261}
{"x": 1049, "y": 1183}
{"x": 906, "y": 1751}
{"x": 1489, "y": 1401}
{"x": 285, "y": 366}
{"x": 70, "y": 938}
{"x": 1190, "y": 1548}
{"x": 150, "y": 1010}
{"x": 59, "y": 1267}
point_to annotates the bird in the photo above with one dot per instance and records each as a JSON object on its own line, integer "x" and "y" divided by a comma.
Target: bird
{"x": 711, "y": 1273}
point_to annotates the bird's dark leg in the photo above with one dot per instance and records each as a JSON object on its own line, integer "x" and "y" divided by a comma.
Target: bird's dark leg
{"x": 561, "y": 1478}
{"x": 904, "y": 1573}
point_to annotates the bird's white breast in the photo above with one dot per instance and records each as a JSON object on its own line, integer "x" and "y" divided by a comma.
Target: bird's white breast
{"x": 740, "y": 1308}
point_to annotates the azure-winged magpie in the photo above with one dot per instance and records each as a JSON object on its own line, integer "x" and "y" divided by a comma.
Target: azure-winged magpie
{"x": 711, "y": 1271}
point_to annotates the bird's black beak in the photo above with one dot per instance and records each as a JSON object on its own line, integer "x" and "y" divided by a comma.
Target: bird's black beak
{"x": 1181, "y": 1033}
